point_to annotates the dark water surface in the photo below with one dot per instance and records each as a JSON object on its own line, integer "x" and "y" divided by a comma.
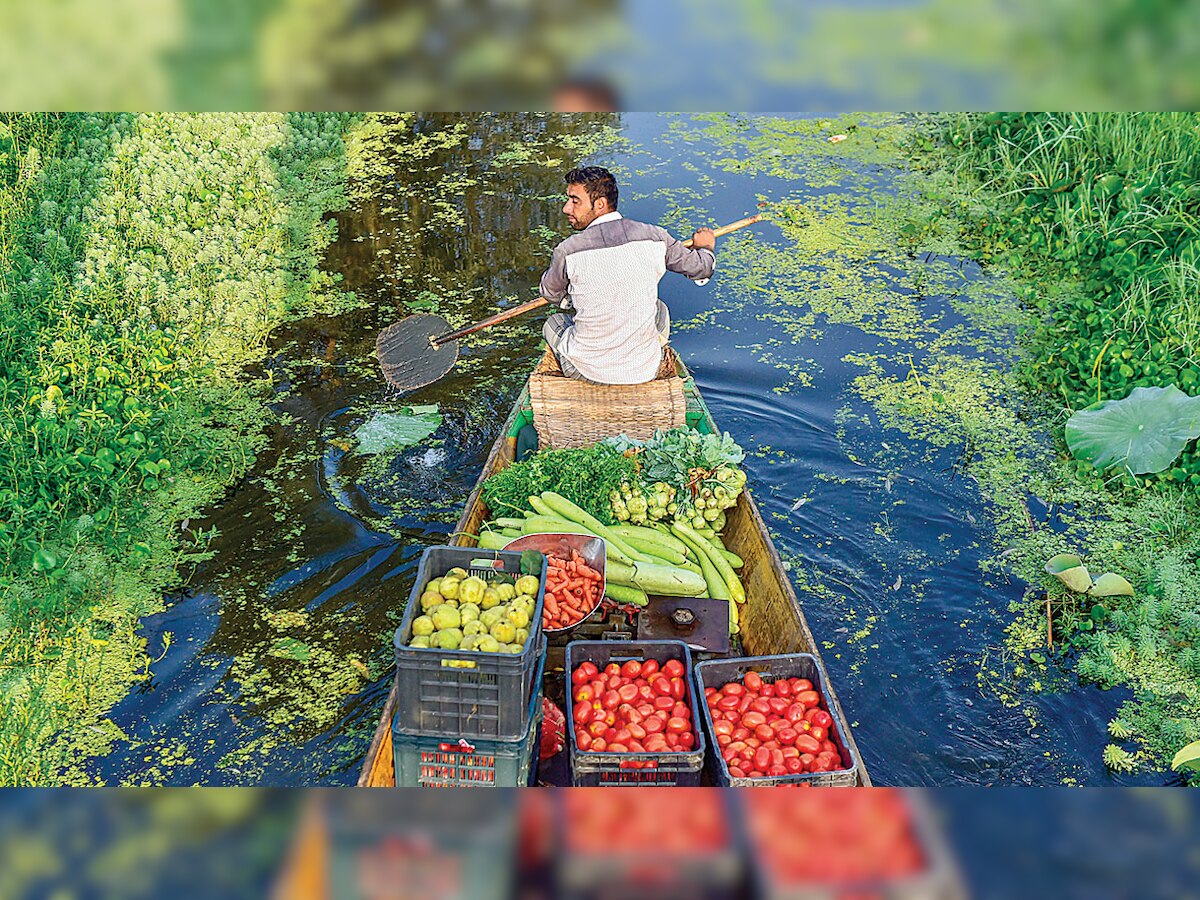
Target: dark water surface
{"x": 265, "y": 678}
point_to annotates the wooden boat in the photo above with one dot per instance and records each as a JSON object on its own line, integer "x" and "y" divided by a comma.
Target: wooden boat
{"x": 772, "y": 621}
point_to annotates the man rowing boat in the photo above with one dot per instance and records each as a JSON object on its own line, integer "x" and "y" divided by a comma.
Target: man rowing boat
{"x": 608, "y": 274}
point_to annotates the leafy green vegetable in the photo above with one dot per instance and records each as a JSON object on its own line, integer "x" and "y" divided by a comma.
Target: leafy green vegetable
{"x": 531, "y": 562}
{"x": 671, "y": 454}
{"x": 391, "y": 431}
{"x": 584, "y": 475}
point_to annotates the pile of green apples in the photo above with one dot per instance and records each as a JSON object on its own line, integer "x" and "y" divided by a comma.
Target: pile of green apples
{"x": 464, "y": 612}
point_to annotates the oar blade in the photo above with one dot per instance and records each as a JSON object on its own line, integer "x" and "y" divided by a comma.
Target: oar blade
{"x": 408, "y": 359}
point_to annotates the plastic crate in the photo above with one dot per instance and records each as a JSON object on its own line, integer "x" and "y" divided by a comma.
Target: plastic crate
{"x": 716, "y": 673}
{"x": 647, "y": 872}
{"x": 489, "y": 695}
{"x": 455, "y": 761}
{"x": 678, "y": 769}
{"x": 436, "y": 850}
{"x": 937, "y": 879}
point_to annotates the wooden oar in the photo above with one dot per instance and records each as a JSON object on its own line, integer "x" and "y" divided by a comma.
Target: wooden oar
{"x": 416, "y": 351}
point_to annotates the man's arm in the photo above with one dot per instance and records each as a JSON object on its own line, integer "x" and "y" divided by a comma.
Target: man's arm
{"x": 697, "y": 262}
{"x": 554, "y": 282}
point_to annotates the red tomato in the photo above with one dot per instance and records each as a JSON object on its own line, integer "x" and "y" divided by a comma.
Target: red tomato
{"x": 599, "y": 745}
{"x": 801, "y": 684}
{"x": 779, "y": 705}
{"x": 585, "y": 694}
{"x": 687, "y": 740}
{"x": 661, "y": 686}
{"x": 793, "y": 765}
{"x": 579, "y": 676}
{"x": 786, "y": 736}
{"x": 767, "y": 690}
{"x": 583, "y": 740}
{"x": 646, "y": 709}
{"x": 617, "y": 747}
{"x": 673, "y": 668}
{"x": 783, "y": 688}
{"x": 645, "y": 691}
{"x": 581, "y": 714}
{"x": 664, "y": 704}
{"x": 724, "y": 740}
{"x": 677, "y": 726}
{"x": 589, "y": 668}
{"x": 656, "y": 743}
{"x": 672, "y": 740}
{"x": 636, "y": 747}
{"x": 776, "y": 757}
{"x": 764, "y": 733}
{"x": 762, "y": 705}
{"x": 710, "y": 695}
{"x": 795, "y": 713}
{"x": 631, "y": 669}
{"x": 649, "y": 667}
{"x": 610, "y": 700}
{"x": 636, "y": 731}
{"x": 817, "y": 733}
{"x": 612, "y": 669}
{"x": 733, "y": 689}
{"x": 753, "y": 682}
{"x": 744, "y": 703}
{"x": 790, "y": 753}
{"x": 754, "y": 719}
{"x": 740, "y": 733}
{"x": 808, "y": 698}
{"x": 776, "y": 770}
{"x": 819, "y": 717}
{"x": 653, "y": 724}
{"x": 806, "y": 744}
{"x": 627, "y": 692}
{"x": 735, "y": 772}
{"x": 729, "y": 702}
{"x": 597, "y": 729}
{"x": 678, "y": 688}
{"x": 622, "y": 736}
{"x": 806, "y": 760}
{"x": 827, "y": 746}
{"x": 614, "y": 682}
{"x": 681, "y": 711}
{"x": 762, "y": 759}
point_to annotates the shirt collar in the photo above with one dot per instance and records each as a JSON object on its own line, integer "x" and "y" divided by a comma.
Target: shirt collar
{"x": 607, "y": 217}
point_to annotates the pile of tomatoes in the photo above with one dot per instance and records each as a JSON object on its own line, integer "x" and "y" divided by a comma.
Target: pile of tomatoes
{"x": 573, "y": 590}
{"x": 615, "y": 823}
{"x": 850, "y": 837}
{"x": 770, "y": 729}
{"x": 637, "y": 707}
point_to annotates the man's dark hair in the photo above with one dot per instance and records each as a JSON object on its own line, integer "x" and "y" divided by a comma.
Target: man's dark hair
{"x": 597, "y": 181}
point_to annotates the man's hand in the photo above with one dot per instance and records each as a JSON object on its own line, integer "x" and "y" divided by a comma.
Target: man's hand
{"x": 704, "y": 239}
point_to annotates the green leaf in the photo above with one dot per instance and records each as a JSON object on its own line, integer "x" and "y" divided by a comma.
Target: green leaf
{"x": 531, "y": 562}
{"x": 392, "y": 431}
{"x": 1070, "y": 570}
{"x": 1111, "y": 585}
{"x": 1142, "y": 433}
{"x": 1188, "y": 757}
{"x": 44, "y": 560}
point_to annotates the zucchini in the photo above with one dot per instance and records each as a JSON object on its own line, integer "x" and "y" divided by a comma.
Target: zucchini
{"x": 732, "y": 558}
{"x": 620, "y": 593}
{"x": 568, "y": 510}
{"x": 554, "y": 525}
{"x": 655, "y": 550}
{"x": 717, "y": 589}
{"x": 669, "y": 581}
{"x": 655, "y": 533}
{"x": 736, "y": 591}
{"x": 539, "y": 506}
{"x": 491, "y": 540}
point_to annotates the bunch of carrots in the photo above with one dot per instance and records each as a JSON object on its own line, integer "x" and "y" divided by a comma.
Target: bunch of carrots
{"x": 572, "y": 591}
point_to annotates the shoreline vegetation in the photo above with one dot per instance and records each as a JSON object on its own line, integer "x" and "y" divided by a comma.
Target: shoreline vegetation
{"x": 145, "y": 259}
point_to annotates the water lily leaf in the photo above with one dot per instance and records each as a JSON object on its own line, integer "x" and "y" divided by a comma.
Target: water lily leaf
{"x": 1188, "y": 757}
{"x": 1143, "y": 432}
{"x": 1111, "y": 585}
{"x": 1070, "y": 570}
{"x": 392, "y": 431}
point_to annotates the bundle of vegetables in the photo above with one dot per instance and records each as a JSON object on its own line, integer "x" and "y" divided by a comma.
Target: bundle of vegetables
{"x": 675, "y": 560}
{"x": 585, "y": 475}
{"x": 693, "y": 478}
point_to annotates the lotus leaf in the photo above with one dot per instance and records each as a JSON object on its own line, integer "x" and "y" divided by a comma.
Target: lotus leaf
{"x": 1070, "y": 570}
{"x": 1111, "y": 585}
{"x": 1143, "y": 432}
{"x": 392, "y": 431}
{"x": 1188, "y": 757}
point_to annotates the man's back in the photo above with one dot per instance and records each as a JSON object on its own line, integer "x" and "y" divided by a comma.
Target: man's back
{"x": 610, "y": 272}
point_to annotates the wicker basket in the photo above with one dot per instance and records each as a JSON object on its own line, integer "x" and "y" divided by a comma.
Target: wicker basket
{"x": 568, "y": 412}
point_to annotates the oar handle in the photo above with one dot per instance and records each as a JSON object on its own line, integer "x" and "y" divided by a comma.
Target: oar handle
{"x": 486, "y": 323}
{"x": 542, "y": 301}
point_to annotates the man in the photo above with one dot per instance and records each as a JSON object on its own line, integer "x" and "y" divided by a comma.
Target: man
{"x": 609, "y": 273}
